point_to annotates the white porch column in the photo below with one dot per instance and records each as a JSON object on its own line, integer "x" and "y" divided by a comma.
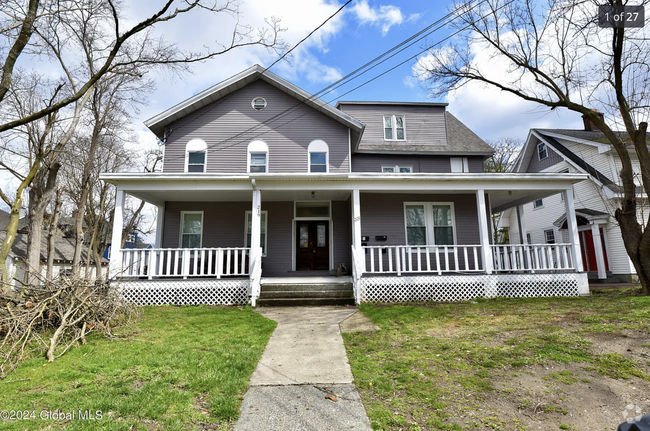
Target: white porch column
{"x": 160, "y": 221}
{"x": 255, "y": 257}
{"x": 572, "y": 226}
{"x": 484, "y": 232}
{"x": 356, "y": 219}
{"x": 115, "y": 264}
{"x": 521, "y": 222}
{"x": 598, "y": 247}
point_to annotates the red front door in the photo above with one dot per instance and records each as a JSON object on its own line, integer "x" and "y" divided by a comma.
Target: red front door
{"x": 312, "y": 245}
{"x": 589, "y": 252}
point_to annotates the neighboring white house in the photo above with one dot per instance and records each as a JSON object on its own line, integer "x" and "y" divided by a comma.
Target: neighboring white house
{"x": 544, "y": 221}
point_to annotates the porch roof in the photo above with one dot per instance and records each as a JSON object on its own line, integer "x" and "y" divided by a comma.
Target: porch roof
{"x": 504, "y": 189}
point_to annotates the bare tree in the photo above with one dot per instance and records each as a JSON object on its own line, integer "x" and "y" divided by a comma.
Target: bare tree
{"x": 556, "y": 55}
{"x": 505, "y": 154}
{"x": 90, "y": 43}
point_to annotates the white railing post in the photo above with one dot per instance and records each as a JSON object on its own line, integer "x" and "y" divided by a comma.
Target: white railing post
{"x": 115, "y": 265}
{"x": 484, "y": 233}
{"x": 186, "y": 263}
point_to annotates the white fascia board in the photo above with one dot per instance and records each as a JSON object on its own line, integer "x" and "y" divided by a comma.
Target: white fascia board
{"x": 522, "y": 153}
{"x": 602, "y": 148}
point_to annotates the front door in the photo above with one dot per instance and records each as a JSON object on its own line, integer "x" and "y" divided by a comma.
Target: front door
{"x": 312, "y": 245}
{"x": 589, "y": 252}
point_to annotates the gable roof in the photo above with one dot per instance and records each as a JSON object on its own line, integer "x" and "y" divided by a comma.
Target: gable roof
{"x": 158, "y": 123}
{"x": 4, "y": 221}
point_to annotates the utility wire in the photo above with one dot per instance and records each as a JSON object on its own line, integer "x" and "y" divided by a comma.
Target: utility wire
{"x": 348, "y": 78}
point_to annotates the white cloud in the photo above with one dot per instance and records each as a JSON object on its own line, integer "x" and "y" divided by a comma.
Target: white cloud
{"x": 385, "y": 16}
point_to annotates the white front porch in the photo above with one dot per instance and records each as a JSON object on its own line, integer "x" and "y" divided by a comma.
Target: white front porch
{"x": 419, "y": 272}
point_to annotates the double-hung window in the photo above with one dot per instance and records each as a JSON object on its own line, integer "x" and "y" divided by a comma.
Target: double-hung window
{"x": 542, "y": 152}
{"x": 196, "y": 161}
{"x": 394, "y": 129}
{"x": 539, "y": 203}
{"x": 249, "y": 222}
{"x": 191, "y": 229}
{"x": 429, "y": 223}
{"x": 258, "y": 162}
{"x": 549, "y": 236}
{"x": 317, "y": 162}
{"x": 401, "y": 169}
{"x": 459, "y": 164}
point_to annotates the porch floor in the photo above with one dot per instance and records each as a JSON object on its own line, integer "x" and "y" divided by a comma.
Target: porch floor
{"x": 305, "y": 279}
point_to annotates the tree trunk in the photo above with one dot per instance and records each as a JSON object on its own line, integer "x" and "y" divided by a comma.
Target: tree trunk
{"x": 51, "y": 235}
{"x": 40, "y": 195}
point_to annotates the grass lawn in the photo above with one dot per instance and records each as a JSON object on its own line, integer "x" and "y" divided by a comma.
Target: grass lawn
{"x": 179, "y": 368}
{"x": 505, "y": 364}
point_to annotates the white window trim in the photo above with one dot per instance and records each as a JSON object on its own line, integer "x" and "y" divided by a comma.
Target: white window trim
{"x": 196, "y": 146}
{"x": 462, "y": 161}
{"x": 266, "y": 236}
{"x": 546, "y": 238}
{"x": 397, "y": 169}
{"x": 394, "y": 126}
{"x": 257, "y": 147}
{"x": 539, "y": 156}
{"x": 180, "y": 239}
{"x": 318, "y": 146}
{"x": 428, "y": 219}
{"x": 538, "y": 207}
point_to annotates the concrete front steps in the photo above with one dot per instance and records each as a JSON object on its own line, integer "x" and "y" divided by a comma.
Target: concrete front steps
{"x": 304, "y": 292}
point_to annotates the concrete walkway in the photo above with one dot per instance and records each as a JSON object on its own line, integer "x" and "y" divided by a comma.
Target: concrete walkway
{"x": 304, "y": 381}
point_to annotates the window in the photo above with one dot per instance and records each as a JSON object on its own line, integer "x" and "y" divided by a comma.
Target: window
{"x": 429, "y": 223}
{"x": 249, "y": 222}
{"x": 401, "y": 169}
{"x": 191, "y": 229}
{"x": 549, "y": 236}
{"x": 529, "y": 239}
{"x": 459, "y": 164}
{"x": 258, "y": 103}
{"x": 195, "y": 155}
{"x": 542, "y": 153}
{"x": 318, "y": 156}
{"x": 538, "y": 203}
{"x": 394, "y": 128}
{"x": 258, "y": 153}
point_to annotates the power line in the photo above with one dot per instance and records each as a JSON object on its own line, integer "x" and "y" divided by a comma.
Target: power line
{"x": 348, "y": 78}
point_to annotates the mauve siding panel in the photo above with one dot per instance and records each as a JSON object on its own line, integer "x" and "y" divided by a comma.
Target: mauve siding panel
{"x": 537, "y": 165}
{"x": 426, "y": 164}
{"x": 424, "y": 125}
{"x": 223, "y": 126}
{"x": 342, "y": 235}
{"x": 278, "y": 258}
{"x": 224, "y": 226}
{"x": 383, "y": 214}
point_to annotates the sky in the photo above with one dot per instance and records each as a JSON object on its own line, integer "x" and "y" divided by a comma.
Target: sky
{"x": 363, "y": 30}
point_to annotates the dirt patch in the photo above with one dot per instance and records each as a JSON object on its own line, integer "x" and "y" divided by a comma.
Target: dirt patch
{"x": 543, "y": 398}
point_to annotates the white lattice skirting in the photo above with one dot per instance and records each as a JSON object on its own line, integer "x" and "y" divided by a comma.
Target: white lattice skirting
{"x": 187, "y": 292}
{"x": 463, "y": 287}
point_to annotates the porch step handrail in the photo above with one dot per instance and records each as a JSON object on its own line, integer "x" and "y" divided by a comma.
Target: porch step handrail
{"x": 398, "y": 259}
{"x": 533, "y": 257}
{"x": 185, "y": 262}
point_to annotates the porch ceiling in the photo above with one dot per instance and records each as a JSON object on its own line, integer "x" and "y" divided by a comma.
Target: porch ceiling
{"x": 503, "y": 199}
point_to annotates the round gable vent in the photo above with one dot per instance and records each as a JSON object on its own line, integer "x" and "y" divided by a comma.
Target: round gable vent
{"x": 258, "y": 103}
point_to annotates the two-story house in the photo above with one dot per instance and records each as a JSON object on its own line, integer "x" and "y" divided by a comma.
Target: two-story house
{"x": 262, "y": 183}
{"x": 544, "y": 220}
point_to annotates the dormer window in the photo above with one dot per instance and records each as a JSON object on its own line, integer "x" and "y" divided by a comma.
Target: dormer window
{"x": 195, "y": 156}
{"x": 394, "y": 129}
{"x": 318, "y": 156}
{"x": 258, "y": 103}
{"x": 258, "y": 153}
{"x": 542, "y": 152}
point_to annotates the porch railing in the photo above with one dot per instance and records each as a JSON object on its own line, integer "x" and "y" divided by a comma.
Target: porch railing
{"x": 185, "y": 262}
{"x": 425, "y": 258}
{"x": 533, "y": 257}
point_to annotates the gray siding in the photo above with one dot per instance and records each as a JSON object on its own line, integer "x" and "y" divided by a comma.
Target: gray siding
{"x": 537, "y": 165}
{"x": 223, "y": 126}
{"x": 224, "y": 226}
{"x": 429, "y": 164}
{"x": 424, "y": 125}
